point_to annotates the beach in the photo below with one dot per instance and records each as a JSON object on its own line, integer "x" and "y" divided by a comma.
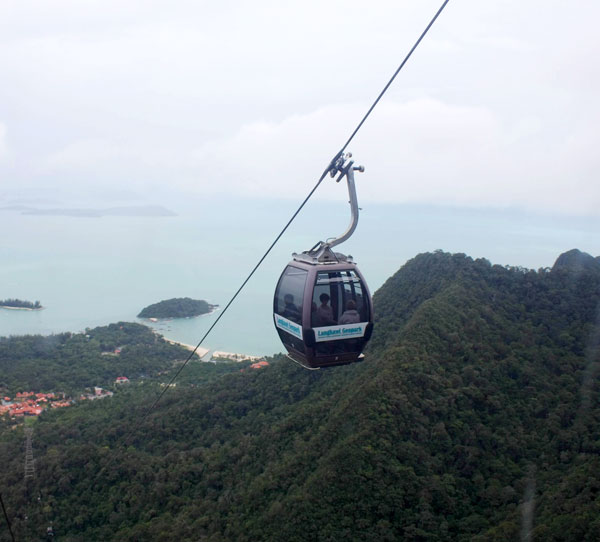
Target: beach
{"x": 200, "y": 351}
{"x": 21, "y": 308}
{"x": 216, "y": 355}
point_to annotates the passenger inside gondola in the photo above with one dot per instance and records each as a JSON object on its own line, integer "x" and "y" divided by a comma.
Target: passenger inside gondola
{"x": 350, "y": 315}
{"x": 324, "y": 315}
{"x": 323, "y": 318}
{"x": 290, "y": 311}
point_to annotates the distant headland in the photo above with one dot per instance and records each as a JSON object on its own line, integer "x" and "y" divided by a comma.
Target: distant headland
{"x": 20, "y": 304}
{"x": 178, "y": 307}
{"x": 131, "y": 211}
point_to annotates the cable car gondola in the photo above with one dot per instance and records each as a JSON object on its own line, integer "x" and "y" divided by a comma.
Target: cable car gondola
{"x": 322, "y": 307}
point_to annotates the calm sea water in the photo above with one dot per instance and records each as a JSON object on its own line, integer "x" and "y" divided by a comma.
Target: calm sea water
{"x": 94, "y": 271}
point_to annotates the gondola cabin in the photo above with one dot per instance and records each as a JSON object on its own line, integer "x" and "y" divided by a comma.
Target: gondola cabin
{"x": 322, "y": 307}
{"x": 323, "y": 311}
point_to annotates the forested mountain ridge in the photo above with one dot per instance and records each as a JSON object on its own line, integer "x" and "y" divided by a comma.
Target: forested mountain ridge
{"x": 516, "y": 293}
{"x": 475, "y": 417}
{"x": 577, "y": 261}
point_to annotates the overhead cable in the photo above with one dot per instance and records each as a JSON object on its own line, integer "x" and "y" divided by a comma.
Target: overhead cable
{"x": 12, "y": 535}
{"x": 323, "y": 175}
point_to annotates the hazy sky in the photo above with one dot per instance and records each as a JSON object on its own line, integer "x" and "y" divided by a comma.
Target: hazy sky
{"x": 134, "y": 99}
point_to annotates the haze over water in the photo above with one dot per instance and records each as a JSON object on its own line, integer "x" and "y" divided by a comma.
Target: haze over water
{"x": 94, "y": 271}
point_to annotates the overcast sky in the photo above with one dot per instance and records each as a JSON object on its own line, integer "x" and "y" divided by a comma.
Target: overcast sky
{"x": 132, "y": 99}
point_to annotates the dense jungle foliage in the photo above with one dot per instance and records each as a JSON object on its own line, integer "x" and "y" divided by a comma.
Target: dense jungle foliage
{"x": 178, "y": 307}
{"x": 70, "y": 362}
{"x": 475, "y": 417}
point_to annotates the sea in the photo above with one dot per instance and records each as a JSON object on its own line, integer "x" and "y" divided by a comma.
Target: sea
{"x": 90, "y": 271}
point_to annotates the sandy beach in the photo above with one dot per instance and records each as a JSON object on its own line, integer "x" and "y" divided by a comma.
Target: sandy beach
{"x": 234, "y": 356}
{"x": 200, "y": 352}
{"x": 21, "y": 308}
{"x": 216, "y": 355}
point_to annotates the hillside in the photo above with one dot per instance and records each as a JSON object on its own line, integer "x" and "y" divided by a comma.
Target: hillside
{"x": 73, "y": 361}
{"x": 475, "y": 417}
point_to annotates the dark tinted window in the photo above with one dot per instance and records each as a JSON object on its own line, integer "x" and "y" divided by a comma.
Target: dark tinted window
{"x": 338, "y": 298}
{"x": 289, "y": 294}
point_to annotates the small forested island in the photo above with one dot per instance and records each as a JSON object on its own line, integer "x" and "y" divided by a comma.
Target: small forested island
{"x": 20, "y": 304}
{"x": 178, "y": 307}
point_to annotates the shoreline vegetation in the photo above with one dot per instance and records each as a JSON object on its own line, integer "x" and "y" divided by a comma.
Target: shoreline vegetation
{"x": 178, "y": 307}
{"x": 19, "y": 304}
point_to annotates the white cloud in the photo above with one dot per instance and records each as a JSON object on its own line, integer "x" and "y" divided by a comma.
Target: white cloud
{"x": 257, "y": 97}
{"x": 420, "y": 151}
{"x": 84, "y": 155}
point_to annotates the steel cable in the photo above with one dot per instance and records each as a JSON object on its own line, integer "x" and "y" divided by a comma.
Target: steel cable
{"x": 333, "y": 161}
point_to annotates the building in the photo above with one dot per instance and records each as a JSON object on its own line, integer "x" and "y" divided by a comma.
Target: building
{"x": 259, "y": 365}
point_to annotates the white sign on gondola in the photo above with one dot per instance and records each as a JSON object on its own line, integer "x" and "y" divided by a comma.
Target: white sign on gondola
{"x": 287, "y": 325}
{"x": 334, "y": 333}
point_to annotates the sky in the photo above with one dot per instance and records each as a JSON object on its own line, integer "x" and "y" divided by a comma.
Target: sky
{"x": 144, "y": 101}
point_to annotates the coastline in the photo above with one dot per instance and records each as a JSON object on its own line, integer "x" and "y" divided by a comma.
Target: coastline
{"x": 21, "y": 308}
{"x": 216, "y": 355}
{"x": 200, "y": 351}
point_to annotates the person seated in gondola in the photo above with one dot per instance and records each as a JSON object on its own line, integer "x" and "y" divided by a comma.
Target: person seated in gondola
{"x": 350, "y": 315}
{"x": 290, "y": 311}
{"x": 313, "y": 315}
{"x": 324, "y": 314}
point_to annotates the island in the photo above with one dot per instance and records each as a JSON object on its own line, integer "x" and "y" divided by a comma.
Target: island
{"x": 20, "y": 304}
{"x": 178, "y": 307}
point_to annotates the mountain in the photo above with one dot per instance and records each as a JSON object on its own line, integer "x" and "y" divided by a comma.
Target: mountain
{"x": 474, "y": 417}
{"x": 576, "y": 261}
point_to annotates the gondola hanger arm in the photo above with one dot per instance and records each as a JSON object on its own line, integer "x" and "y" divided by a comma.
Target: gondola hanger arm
{"x": 347, "y": 170}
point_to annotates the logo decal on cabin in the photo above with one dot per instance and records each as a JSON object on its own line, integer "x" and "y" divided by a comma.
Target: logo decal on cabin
{"x": 287, "y": 325}
{"x": 331, "y": 333}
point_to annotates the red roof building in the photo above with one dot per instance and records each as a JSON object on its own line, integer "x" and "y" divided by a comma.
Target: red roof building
{"x": 259, "y": 365}
{"x": 32, "y": 404}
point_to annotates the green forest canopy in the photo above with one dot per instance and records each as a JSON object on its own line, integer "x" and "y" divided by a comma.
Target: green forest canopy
{"x": 73, "y": 361}
{"x": 475, "y": 417}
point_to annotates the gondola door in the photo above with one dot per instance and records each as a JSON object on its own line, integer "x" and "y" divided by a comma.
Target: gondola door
{"x": 288, "y": 305}
{"x": 341, "y": 318}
